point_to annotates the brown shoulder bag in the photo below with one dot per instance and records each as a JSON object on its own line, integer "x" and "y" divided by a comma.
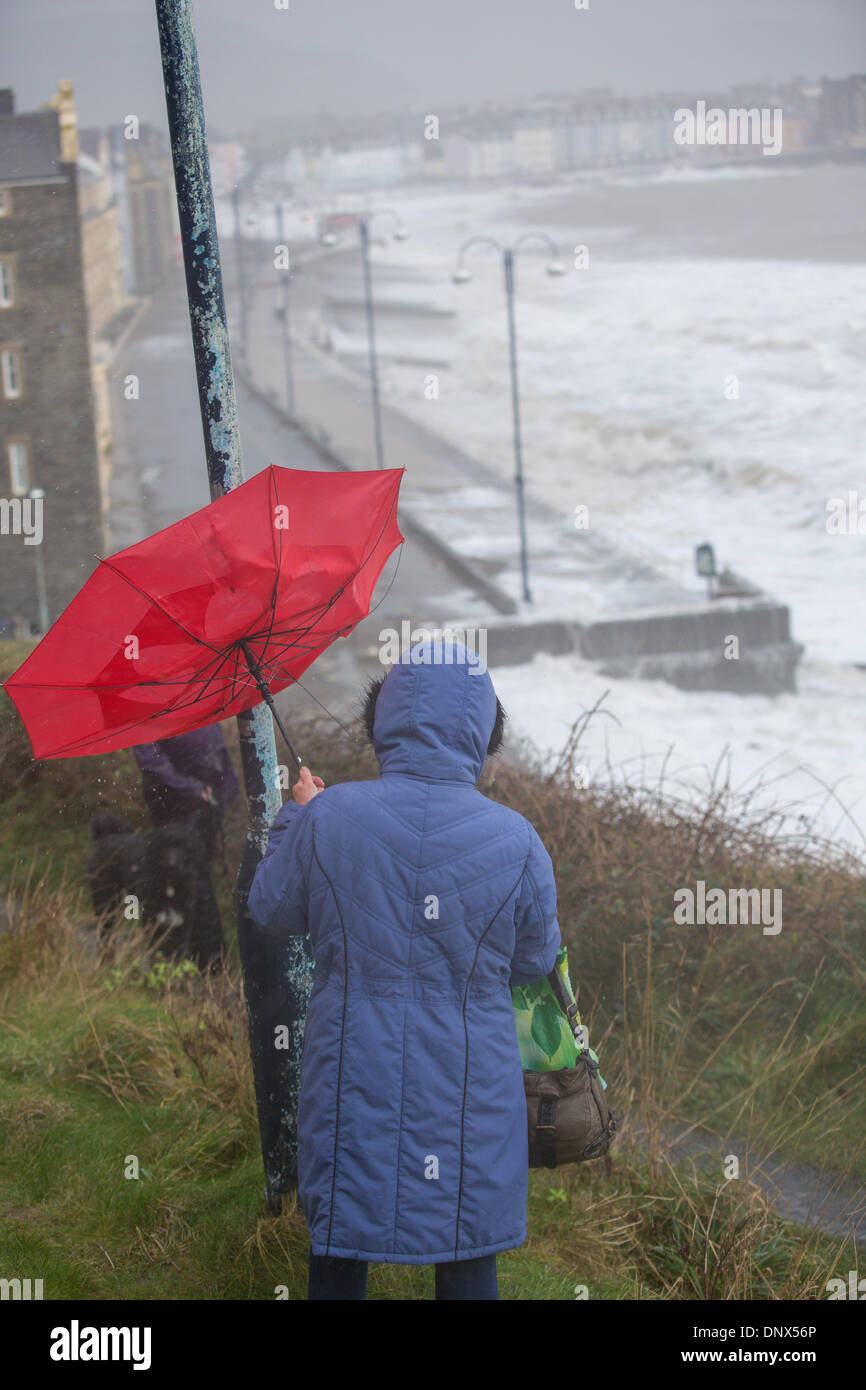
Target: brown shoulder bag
{"x": 569, "y": 1118}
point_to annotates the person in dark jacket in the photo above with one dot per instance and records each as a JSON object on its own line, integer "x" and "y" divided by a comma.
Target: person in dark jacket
{"x": 191, "y": 778}
{"x": 425, "y": 902}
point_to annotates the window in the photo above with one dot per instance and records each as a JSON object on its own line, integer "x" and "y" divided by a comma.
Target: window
{"x": 10, "y": 369}
{"x": 18, "y": 455}
{"x": 7, "y": 285}
{"x": 5, "y": 202}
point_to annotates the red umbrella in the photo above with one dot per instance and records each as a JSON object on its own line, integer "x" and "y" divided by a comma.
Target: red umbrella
{"x": 205, "y": 618}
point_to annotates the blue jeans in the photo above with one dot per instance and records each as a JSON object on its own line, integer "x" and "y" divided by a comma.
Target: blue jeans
{"x": 336, "y": 1278}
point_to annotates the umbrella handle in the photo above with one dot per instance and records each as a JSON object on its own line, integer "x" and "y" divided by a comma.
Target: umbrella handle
{"x": 268, "y": 699}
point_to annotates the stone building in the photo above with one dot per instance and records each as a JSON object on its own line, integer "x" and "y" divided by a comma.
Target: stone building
{"x": 100, "y": 236}
{"x": 48, "y": 433}
{"x": 153, "y": 234}
{"x": 109, "y": 303}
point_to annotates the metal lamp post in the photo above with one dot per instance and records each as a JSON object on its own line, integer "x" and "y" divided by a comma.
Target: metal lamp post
{"x": 283, "y": 315}
{"x": 461, "y": 275}
{"x": 364, "y": 232}
{"x": 329, "y": 239}
{"x": 239, "y": 251}
{"x": 277, "y": 971}
{"x": 37, "y": 494}
{"x": 243, "y": 305}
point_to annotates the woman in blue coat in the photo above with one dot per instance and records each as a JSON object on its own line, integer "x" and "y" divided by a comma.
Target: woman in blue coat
{"x": 425, "y": 901}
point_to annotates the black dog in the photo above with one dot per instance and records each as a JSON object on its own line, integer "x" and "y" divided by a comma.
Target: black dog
{"x": 162, "y": 868}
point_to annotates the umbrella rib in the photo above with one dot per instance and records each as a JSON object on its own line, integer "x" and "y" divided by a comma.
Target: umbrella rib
{"x": 219, "y": 654}
{"x": 234, "y": 675}
{"x": 150, "y": 598}
{"x": 297, "y": 635}
{"x": 369, "y": 556}
{"x": 175, "y": 708}
{"x": 205, "y": 680}
{"x": 145, "y": 719}
{"x": 268, "y": 660}
{"x": 328, "y": 712}
{"x": 345, "y": 583}
{"x": 391, "y": 585}
{"x": 220, "y": 657}
{"x": 268, "y": 663}
{"x": 299, "y": 632}
{"x": 278, "y": 554}
{"x": 278, "y": 562}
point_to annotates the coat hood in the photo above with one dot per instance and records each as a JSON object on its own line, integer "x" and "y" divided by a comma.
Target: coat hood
{"x": 435, "y": 714}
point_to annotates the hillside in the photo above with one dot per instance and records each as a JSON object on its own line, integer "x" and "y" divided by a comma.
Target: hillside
{"x": 750, "y": 1037}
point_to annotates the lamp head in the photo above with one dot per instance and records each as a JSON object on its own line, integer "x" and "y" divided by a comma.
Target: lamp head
{"x": 705, "y": 560}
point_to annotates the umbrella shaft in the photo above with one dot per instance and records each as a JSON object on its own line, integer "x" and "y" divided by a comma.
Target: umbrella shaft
{"x": 280, "y": 725}
{"x": 268, "y": 699}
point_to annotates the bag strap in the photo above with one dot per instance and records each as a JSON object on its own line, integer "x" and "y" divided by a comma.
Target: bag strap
{"x": 569, "y": 1008}
{"x": 564, "y": 1000}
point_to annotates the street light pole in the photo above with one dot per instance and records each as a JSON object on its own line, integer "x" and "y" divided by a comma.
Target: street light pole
{"x": 364, "y": 231}
{"x": 239, "y": 251}
{"x": 37, "y": 494}
{"x": 283, "y": 312}
{"x": 277, "y": 970}
{"x": 329, "y": 239}
{"x": 508, "y": 267}
{"x": 461, "y": 275}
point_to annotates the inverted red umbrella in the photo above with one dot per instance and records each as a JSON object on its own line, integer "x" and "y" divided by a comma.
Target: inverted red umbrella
{"x": 205, "y": 618}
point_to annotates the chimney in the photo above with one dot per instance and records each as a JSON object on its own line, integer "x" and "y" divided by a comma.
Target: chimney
{"x": 63, "y": 101}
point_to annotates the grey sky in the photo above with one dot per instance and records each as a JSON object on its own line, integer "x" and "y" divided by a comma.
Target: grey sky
{"x": 371, "y": 55}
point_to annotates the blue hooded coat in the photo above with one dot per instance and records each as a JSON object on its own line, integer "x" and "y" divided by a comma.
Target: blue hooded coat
{"x": 425, "y": 901}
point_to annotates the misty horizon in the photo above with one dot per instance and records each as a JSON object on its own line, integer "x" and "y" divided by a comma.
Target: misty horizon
{"x": 334, "y": 60}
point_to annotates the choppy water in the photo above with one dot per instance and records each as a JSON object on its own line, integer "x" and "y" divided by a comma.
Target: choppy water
{"x": 684, "y": 390}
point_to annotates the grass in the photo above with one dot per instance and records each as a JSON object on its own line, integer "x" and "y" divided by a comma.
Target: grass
{"x": 116, "y": 1064}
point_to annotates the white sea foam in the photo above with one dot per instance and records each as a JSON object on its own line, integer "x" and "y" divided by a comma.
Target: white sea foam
{"x": 623, "y": 370}
{"x": 623, "y": 373}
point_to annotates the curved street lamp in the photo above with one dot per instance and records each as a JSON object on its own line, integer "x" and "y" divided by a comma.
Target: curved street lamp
{"x": 460, "y": 277}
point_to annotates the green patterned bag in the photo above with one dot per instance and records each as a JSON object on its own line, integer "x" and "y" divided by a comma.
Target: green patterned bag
{"x": 567, "y": 1112}
{"x": 544, "y": 1034}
